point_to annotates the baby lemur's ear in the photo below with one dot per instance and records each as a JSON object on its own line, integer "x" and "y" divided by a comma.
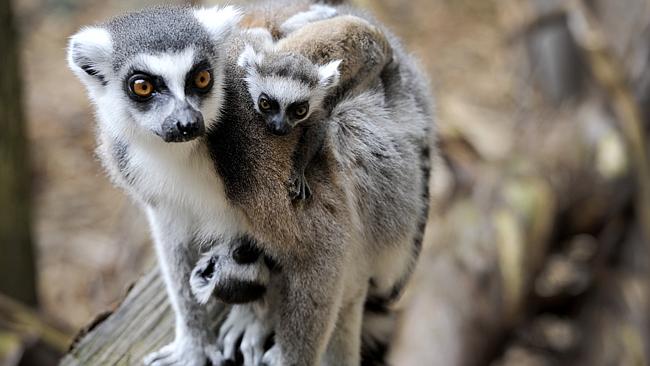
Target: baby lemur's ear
{"x": 89, "y": 55}
{"x": 249, "y": 58}
{"x": 219, "y": 22}
{"x": 329, "y": 74}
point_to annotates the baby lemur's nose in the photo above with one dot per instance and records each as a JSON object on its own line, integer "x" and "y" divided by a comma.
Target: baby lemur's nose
{"x": 278, "y": 127}
{"x": 184, "y": 124}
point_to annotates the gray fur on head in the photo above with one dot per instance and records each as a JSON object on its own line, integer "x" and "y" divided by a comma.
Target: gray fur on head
{"x": 166, "y": 43}
{"x": 288, "y": 78}
{"x": 156, "y": 30}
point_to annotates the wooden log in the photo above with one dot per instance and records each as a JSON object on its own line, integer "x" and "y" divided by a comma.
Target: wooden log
{"x": 142, "y": 323}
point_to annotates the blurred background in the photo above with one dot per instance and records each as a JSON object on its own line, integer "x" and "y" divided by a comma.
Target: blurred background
{"x": 538, "y": 247}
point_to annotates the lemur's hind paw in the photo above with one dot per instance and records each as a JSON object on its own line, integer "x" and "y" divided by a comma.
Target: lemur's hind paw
{"x": 299, "y": 188}
{"x": 243, "y": 336}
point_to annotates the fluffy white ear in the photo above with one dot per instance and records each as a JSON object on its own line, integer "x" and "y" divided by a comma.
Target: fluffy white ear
{"x": 249, "y": 58}
{"x": 329, "y": 74}
{"x": 89, "y": 54}
{"x": 219, "y": 22}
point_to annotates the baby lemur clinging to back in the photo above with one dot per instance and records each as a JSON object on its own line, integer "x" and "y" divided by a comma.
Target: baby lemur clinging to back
{"x": 288, "y": 90}
{"x": 292, "y": 86}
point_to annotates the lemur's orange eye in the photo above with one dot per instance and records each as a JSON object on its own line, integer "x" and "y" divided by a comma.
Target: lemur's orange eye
{"x": 202, "y": 79}
{"x": 141, "y": 87}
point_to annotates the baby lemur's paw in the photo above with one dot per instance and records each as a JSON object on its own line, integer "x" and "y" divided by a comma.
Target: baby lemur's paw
{"x": 183, "y": 353}
{"x": 243, "y": 336}
{"x": 299, "y": 188}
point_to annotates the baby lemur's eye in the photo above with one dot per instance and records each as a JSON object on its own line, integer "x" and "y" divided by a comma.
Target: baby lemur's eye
{"x": 301, "y": 110}
{"x": 140, "y": 87}
{"x": 203, "y": 79}
{"x": 264, "y": 103}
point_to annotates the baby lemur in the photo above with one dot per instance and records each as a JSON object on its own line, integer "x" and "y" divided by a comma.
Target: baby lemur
{"x": 288, "y": 90}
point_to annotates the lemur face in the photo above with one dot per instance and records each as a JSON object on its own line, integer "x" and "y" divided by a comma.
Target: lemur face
{"x": 157, "y": 72}
{"x": 286, "y": 88}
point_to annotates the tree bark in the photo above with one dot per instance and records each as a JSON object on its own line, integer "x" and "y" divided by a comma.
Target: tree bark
{"x": 17, "y": 277}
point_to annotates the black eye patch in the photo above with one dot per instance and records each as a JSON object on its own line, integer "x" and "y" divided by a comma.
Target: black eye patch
{"x": 157, "y": 83}
{"x": 298, "y": 110}
{"x": 267, "y": 104}
{"x": 196, "y": 71}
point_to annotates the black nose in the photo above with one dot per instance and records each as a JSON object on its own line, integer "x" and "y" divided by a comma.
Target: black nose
{"x": 184, "y": 124}
{"x": 278, "y": 126}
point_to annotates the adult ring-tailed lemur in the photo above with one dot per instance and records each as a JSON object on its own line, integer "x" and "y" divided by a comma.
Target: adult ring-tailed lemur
{"x": 178, "y": 131}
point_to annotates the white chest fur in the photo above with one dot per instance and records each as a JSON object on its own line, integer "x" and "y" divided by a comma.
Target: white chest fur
{"x": 180, "y": 184}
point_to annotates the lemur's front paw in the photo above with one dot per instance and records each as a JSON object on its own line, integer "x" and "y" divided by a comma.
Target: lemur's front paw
{"x": 180, "y": 353}
{"x": 243, "y": 336}
{"x": 273, "y": 357}
{"x": 299, "y": 188}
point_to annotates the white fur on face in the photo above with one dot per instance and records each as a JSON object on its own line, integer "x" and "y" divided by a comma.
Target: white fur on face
{"x": 118, "y": 115}
{"x": 284, "y": 90}
{"x": 172, "y": 67}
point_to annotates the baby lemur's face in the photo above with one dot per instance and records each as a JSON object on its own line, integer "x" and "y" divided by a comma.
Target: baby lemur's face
{"x": 286, "y": 88}
{"x": 155, "y": 72}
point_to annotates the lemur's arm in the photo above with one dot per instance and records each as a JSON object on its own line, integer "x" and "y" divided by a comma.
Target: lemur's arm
{"x": 307, "y": 313}
{"x": 193, "y": 341}
{"x": 310, "y": 143}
